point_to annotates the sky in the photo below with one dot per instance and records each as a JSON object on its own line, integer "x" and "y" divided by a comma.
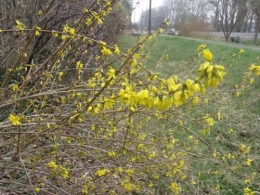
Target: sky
{"x": 144, "y": 4}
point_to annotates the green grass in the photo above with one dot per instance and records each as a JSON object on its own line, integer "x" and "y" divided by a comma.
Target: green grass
{"x": 180, "y": 52}
{"x": 238, "y": 113}
{"x": 250, "y": 42}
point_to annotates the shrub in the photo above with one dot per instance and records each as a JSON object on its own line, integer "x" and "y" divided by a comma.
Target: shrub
{"x": 235, "y": 39}
{"x": 105, "y": 124}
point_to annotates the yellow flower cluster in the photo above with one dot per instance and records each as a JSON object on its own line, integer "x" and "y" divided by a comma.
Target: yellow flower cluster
{"x": 213, "y": 73}
{"x": 244, "y": 149}
{"x": 20, "y": 26}
{"x": 68, "y": 32}
{"x": 105, "y": 51}
{"x": 15, "y": 120}
{"x": 207, "y": 55}
{"x": 171, "y": 91}
{"x": 248, "y": 191}
{"x": 102, "y": 172}
{"x": 59, "y": 169}
{"x": 201, "y": 47}
{"x": 37, "y": 30}
{"x": 174, "y": 187}
{"x": 255, "y": 68}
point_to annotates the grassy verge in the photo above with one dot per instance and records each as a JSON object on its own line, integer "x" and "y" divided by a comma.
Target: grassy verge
{"x": 180, "y": 54}
{"x": 237, "y": 125}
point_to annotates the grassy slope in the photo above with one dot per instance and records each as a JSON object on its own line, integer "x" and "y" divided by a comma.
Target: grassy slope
{"x": 180, "y": 52}
{"x": 241, "y": 114}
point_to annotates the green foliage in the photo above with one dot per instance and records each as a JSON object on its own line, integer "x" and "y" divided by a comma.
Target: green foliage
{"x": 235, "y": 39}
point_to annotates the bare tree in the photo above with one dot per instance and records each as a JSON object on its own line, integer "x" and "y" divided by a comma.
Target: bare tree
{"x": 181, "y": 11}
{"x": 242, "y": 13}
{"x": 230, "y": 13}
{"x": 157, "y": 19}
{"x": 255, "y": 6}
{"x": 168, "y": 9}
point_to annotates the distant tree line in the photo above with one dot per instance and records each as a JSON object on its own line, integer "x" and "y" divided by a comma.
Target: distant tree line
{"x": 208, "y": 15}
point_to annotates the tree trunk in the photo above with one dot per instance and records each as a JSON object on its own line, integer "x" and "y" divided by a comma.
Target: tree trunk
{"x": 257, "y": 25}
{"x": 249, "y": 28}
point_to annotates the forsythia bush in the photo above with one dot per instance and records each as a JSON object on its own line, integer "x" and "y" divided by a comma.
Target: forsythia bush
{"x": 113, "y": 127}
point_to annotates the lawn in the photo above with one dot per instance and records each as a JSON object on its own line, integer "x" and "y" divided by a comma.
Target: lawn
{"x": 236, "y": 117}
{"x": 180, "y": 54}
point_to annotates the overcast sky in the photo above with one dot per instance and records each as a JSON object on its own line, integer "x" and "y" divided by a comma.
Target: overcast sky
{"x": 144, "y": 4}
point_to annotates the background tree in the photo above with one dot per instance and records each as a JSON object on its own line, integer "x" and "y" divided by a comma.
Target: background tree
{"x": 230, "y": 13}
{"x": 127, "y": 10}
{"x": 157, "y": 19}
{"x": 183, "y": 13}
{"x": 243, "y": 15}
{"x": 255, "y": 6}
{"x": 168, "y": 10}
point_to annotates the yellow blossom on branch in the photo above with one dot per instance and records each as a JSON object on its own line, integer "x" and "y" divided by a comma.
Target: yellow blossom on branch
{"x": 111, "y": 154}
{"x": 40, "y": 12}
{"x": 244, "y": 149}
{"x": 111, "y": 73}
{"x": 20, "y": 25}
{"x": 174, "y": 187}
{"x": 15, "y": 120}
{"x": 15, "y": 87}
{"x": 241, "y": 51}
{"x": 79, "y": 65}
{"x": 195, "y": 101}
{"x": 52, "y": 165}
{"x": 37, "y": 30}
{"x": 37, "y": 190}
{"x": 116, "y": 49}
{"x": 207, "y": 55}
{"x": 101, "y": 172}
{"x": 55, "y": 34}
{"x": 248, "y": 191}
{"x": 106, "y": 52}
{"x": 209, "y": 120}
{"x": 249, "y": 161}
{"x": 255, "y": 69}
{"x": 109, "y": 103}
{"x": 64, "y": 172}
{"x": 201, "y": 47}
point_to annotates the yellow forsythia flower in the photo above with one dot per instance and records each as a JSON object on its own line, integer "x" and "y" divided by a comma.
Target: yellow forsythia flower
{"x": 248, "y": 191}
{"x": 52, "y": 165}
{"x": 37, "y": 190}
{"x": 117, "y": 51}
{"x": 241, "y": 51}
{"x": 111, "y": 154}
{"x": 37, "y": 30}
{"x": 15, "y": 87}
{"x": 207, "y": 55}
{"x": 20, "y": 25}
{"x": 106, "y": 52}
{"x": 15, "y": 120}
{"x": 101, "y": 172}
{"x": 249, "y": 161}
{"x": 174, "y": 187}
